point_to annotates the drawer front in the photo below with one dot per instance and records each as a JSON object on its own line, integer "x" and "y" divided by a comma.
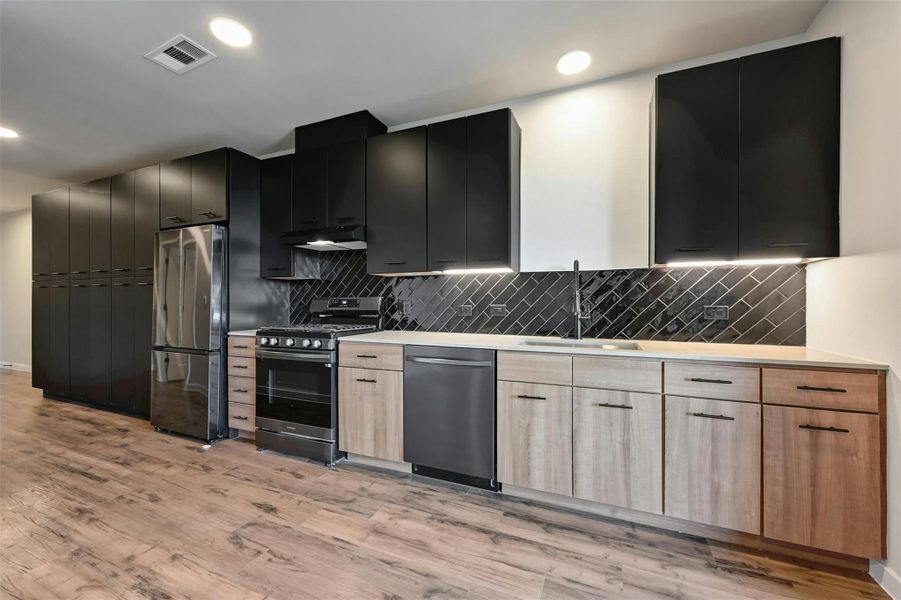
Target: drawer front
{"x": 242, "y": 366}
{"x": 822, "y": 480}
{"x": 712, "y": 462}
{"x": 241, "y": 390}
{"x": 534, "y": 367}
{"x": 241, "y": 345}
{"x": 534, "y": 436}
{"x": 241, "y": 416}
{"x": 618, "y": 374}
{"x": 371, "y": 356}
{"x": 705, "y": 380}
{"x": 822, "y": 389}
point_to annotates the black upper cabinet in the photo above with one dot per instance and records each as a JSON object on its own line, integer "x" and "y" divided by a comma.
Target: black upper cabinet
{"x": 696, "y": 167}
{"x": 143, "y": 342}
{"x": 100, "y": 227}
{"x": 275, "y": 213}
{"x": 330, "y": 171}
{"x": 147, "y": 217}
{"x": 57, "y": 371}
{"x": 346, "y": 184}
{"x": 447, "y": 195}
{"x": 396, "y": 197}
{"x": 789, "y": 152}
{"x": 58, "y": 233}
{"x": 40, "y": 332}
{"x": 122, "y": 332}
{"x": 309, "y": 202}
{"x": 40, "y": 238}
{"x": 79, "y": 231}
{"x": 122, "y": 220}
{"x": 175, "y": 192}
{"x": 209, "y": 186}
{"x": 492, "y": 179}
{"x": 746, "y": 160}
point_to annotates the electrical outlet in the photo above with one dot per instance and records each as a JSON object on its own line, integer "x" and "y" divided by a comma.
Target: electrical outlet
{"x": 716, "y": 313}
{"x": 406, "y": 307}
{"x": 464, "y": 310}
{"x": 497, "y": 310}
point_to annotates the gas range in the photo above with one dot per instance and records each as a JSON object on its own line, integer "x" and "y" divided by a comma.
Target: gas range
{"x": 297, "y": 377}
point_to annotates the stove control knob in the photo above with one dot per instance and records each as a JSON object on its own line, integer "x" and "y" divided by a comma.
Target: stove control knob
{"x": 317, "y": 344}
{"x": 306, "y": 343}
{"x": 264, "y": 341}
{"x": 289, "y": 342}
{"x": 273, "y": 342}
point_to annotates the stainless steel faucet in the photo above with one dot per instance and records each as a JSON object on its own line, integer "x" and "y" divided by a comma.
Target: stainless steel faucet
{"x": 578, "y": 314}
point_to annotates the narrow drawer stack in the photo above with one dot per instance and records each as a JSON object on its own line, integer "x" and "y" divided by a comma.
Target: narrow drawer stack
{"x": 242, "y": 384}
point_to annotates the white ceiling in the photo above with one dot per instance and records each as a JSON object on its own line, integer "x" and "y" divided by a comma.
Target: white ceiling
{"x": 74, "y": 83}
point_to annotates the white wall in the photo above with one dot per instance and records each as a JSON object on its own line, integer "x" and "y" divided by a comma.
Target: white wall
{"x": 15, "y": 289}
{"x": 854, "y": 302}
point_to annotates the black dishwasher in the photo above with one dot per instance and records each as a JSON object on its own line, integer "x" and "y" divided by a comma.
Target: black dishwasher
{"x": 449, "y": 414}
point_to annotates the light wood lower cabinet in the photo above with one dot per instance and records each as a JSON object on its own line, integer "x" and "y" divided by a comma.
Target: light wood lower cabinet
{"x": 712, "y": 464}
{"x": 371, "y": 412}
{"x": 822, "y": 480}
{"x": 534, "y": 436}
{"x": 618, "y": 448}
{"x": 241, "y": 390}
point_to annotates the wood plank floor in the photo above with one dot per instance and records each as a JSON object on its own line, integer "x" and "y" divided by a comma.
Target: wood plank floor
{"x": 97, "y": 505}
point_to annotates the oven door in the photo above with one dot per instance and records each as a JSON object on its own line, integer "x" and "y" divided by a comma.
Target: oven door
{"x": 296, "y": 392}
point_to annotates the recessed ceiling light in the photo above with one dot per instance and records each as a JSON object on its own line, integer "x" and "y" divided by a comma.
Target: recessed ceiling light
{"x": 8, "y": 133}
{"x": 574, "y": 62}
{"x": 231, "y": 32}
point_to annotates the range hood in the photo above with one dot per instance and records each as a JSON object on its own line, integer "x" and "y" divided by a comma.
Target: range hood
{"x": 351, "y": 237}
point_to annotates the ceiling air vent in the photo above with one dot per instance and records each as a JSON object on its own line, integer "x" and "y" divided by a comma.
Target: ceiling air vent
{"x": 180, "y": 54}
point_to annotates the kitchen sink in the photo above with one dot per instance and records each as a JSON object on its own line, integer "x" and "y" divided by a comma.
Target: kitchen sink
{"x": 594, "y": 344}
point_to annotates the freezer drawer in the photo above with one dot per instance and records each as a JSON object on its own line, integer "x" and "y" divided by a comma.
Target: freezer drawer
{"x": 186, "y": 394}
{"x": 449, "y": 410}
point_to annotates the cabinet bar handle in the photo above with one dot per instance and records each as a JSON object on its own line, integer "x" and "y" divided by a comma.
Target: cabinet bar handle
{"x": 240, "y": 390}
{"x": 528, "y": 397}
{"x": 345, "y": 219}
{"x": 98, "y": 271}
{"x": 691, "y": 249}
{"x": 209, "y": 214}
{"x": 120, "y": 284}
{"x": 706, "y": 416}
{"x": 120, "y": 269}
{"x": 79, "y": 272}
{"x": 41, "y": 274}
{"x": 366, "y": 356}
{"x": 787, "y": 245}
{"x": 143, "y": 283}
{"x": 239, "y": 366}
{"x": 242, "y": 347}
{"x": 820, "y": 428}
{"x": 813, "y": 388}
{"x": 703, "y": 380}
{"x": 144, "y": 268}
{"x": 395, "y": 262}
{"x": 488, "y": 259}
{"x": 59, "y": 286}
{"x": 445, "y": 260}
{"x": 240, "y": 417}
{"x": 57, "y": 272}
{"x": 98, "y": 285}
{"x": 366, "y": 380}
{"x": 608, "y": 405}
{"x": 76, "y": 285}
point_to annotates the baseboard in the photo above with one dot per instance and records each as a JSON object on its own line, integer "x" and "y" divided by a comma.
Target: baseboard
{"x": 15, "y": 366}
{"x": 887, "y": 578}
{"x": 379, "y": 463}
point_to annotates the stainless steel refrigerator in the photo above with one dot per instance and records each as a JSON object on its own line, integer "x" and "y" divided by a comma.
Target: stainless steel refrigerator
{"x": 190, "y": 303}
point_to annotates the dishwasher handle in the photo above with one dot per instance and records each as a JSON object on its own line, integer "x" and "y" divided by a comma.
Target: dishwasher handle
{"x": 452, "y": 362}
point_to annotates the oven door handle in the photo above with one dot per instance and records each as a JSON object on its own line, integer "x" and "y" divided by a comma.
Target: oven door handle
{"x": 296, "y": 356}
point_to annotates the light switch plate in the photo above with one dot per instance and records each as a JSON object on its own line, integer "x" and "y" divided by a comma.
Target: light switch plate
{"x": 716, "y": 313}
{"x": 497, "y": 310}
{"x": 464, "y": 310}
{"x": 406, "y": 307}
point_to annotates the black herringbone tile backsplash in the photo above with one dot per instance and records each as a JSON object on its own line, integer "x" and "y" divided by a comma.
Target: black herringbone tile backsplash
{"x": 766, "y": 303}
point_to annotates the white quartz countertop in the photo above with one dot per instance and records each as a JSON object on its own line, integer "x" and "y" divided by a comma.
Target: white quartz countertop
{"x": 749, "y": 353}
{"x": 244, "y": 333}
